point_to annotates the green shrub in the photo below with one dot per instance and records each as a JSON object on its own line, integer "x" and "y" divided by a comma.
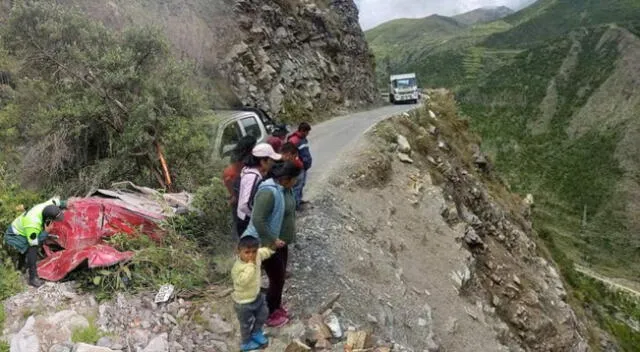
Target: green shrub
{"x": 89, "y": 334}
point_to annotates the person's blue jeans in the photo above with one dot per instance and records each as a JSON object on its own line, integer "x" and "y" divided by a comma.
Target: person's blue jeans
{"x": 299, "y": 186}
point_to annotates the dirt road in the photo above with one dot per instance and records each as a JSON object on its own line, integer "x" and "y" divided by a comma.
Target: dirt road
{"x": 618, "y": 284}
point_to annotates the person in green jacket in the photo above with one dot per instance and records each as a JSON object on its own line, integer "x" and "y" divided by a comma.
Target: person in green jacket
{"x": 273, "y": 220}
{"x": 28, "y": 231}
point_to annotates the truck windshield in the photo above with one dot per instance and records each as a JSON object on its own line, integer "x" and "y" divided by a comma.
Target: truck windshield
{"x": 404, "y": 83}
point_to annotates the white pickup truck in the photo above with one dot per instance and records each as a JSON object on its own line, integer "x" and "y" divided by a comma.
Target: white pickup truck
{"x": 403, "y": 88}
{"x": 231, "y": 125}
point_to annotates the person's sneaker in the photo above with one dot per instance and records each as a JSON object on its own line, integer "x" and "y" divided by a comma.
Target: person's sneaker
{"x": 249, "y": 346}
{"x": 277, "y": 319}
{"x": 260, "y": 338}
{"x": 36, "y": 282}
{"x": 285, "y": 311}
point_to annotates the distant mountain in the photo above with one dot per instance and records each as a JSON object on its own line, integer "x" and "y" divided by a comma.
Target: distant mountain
{"x": 406, "y": 30}
{"x": 483, "y": 15}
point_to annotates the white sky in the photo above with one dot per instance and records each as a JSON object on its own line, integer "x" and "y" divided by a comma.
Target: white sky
{"x": 374, "y": 12}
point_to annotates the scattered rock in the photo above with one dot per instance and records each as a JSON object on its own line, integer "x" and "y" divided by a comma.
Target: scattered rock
{"x": 432, "y": 115}
{"x": 422, "y": 322}
{"x": 83, "y": 347}
{"x": 452, "y": 325}
{"x": 219, "y": 326}
{"x": 472, "y": 239}
{"x": 316, "y": 323}
{"x": 334, "y": 325}
{"x": 297, "y": 346}
{"x": 159, "y": 343}
{"x": 26, "y": 339}
{"x": 405, "y": 158}
{"x": 372, "y": 319}
{"x": 104, "y": 341}
{"x": 433, "y": 130}
{"x": 358, "y": 340}
{"x": 61, "y": 348}
{"x": 403, "y": 144}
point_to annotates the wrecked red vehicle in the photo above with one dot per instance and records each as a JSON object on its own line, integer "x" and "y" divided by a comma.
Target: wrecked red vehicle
{"x": 131, "y": 210}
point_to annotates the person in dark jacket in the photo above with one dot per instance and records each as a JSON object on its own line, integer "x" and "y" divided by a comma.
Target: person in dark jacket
{"x": 273, "y": 220}
{"x": 299, "y": 139}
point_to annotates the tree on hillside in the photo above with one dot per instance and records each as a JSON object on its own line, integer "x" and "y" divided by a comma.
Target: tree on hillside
{"x": 97, "y": 106}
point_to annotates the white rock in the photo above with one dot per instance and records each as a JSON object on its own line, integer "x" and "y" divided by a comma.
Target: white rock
{"x": 26, "y": 339}
{"x": 372, "y": 319}
{"x": 104, "y": 341}
{"x": 432, "y": 115}
{"x": 334, "y": 325}
{"x": 405, "y": 158}
{"x": 66, "y": 321}
{"x": 403, "y": 144}
{"x": 159, "y": 343}
{"x": 422, "y": 322}
{"x": 83, "y": 347}
{"x": 61, "y": 348}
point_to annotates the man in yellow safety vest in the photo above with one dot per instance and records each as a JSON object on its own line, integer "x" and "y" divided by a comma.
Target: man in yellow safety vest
{"x": 27, "y": 232}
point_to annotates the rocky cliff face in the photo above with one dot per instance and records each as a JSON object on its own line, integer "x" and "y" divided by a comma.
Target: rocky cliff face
{"x": 305, "y": 56}
{"x": 309, "y": 54}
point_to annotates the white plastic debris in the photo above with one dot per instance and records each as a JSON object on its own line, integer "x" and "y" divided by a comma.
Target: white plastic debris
{"x": 165, "y": 292}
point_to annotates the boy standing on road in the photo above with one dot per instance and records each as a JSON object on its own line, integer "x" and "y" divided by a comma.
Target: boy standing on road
{"x": 299, "y": 139}
{"x": 250, "y": 304}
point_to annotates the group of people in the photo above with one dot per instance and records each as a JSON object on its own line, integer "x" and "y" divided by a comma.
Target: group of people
{"x": 265, "y": 182}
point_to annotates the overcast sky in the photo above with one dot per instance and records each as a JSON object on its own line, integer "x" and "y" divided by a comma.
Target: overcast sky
{"x": 374, "y": 12}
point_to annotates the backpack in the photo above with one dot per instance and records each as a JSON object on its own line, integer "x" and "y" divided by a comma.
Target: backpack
{"x": 254, "y": 189}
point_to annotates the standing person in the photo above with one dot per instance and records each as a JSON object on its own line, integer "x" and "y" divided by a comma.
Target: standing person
{"x": 250, "y": 304}
{"x": 232, "y": 171}
{"x": 299, "y": 139}
{"x": 278, "y": 137}
{"x": 289, "y": 152}
{"x": 274, "y": 222}
{"x": 27, "y": 233}
{"x": 257, "y": 165}
{"x": 231, "y": 174}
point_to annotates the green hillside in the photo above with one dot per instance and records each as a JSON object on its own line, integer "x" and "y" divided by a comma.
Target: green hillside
{"x": 483, "y": 15}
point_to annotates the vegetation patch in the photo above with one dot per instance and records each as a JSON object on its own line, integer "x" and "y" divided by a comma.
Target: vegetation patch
{"x": 90, "y": 334}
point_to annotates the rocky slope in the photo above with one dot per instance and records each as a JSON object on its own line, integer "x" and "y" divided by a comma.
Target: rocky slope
{"x": 304, "y": 57}
{"x": 432, "y": 253}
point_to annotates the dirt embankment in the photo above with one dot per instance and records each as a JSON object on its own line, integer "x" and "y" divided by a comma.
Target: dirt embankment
{"x": 431, "y": 253}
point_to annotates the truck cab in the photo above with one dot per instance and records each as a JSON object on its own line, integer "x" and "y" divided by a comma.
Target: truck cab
{"x": 403, "y": 89}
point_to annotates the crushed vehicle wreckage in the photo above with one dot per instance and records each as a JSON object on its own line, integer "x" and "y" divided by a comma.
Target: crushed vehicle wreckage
{"x": 126, "y": 209}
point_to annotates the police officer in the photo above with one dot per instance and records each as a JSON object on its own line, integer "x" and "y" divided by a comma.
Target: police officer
{"x": 27, "y": 232}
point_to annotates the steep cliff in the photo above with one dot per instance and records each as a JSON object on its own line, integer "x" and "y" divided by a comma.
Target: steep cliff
{"x": 304, "y": 57}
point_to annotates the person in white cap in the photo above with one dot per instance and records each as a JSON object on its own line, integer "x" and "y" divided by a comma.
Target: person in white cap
{"x": 255, "y": 168}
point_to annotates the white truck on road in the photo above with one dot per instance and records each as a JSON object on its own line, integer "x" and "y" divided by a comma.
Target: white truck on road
{"x": 403, "y": 88}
